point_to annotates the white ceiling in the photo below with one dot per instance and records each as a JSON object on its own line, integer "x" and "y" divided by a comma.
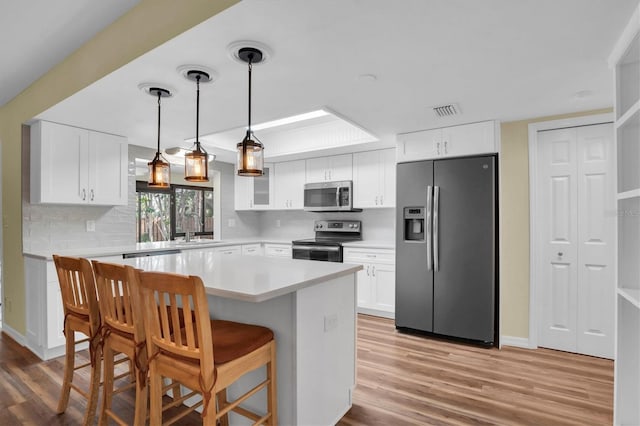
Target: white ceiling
{"x": 37, "y": 34}
{"x": 497, "y": 59}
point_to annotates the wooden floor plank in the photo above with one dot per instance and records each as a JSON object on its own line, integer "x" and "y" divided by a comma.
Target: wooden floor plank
{"x": 453, "y": 383}
{"x": 402, "y": 379}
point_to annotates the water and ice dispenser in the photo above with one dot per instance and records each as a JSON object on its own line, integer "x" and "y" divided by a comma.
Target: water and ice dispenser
{"x": 414, "y": 223}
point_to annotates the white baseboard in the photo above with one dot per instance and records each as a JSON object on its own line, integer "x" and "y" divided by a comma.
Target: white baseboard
{"x": 377, "y": 313}
{"x": 518, "y": 342}
{"x": 19, "y": 338}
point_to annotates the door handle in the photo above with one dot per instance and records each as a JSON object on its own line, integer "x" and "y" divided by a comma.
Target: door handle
{"x": 429, "y": 228}
{"x": 84, "y": 194}
{"x": 373, "y": 271}
{"x": 436, "y": 225}
{"x": 91, "y": 197}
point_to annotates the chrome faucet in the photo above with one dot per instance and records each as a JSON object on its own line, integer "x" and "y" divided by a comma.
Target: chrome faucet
{"x": 187, "y": 236}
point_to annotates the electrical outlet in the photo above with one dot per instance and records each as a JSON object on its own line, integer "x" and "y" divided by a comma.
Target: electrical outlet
{"x": 91, "y": 226}
{"x": 277, "y": 223}
{"x": 231, "y": 223}
{"x": 330, "y": 322}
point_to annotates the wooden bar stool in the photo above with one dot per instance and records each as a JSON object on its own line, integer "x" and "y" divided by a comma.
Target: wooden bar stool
{"x": 205, "y": 355}
{"x": 122, "y": 332}
{"x": 81, "y": 314}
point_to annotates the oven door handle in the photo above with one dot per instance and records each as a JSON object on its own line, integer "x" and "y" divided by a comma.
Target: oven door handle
{"x": 316, "y": 248}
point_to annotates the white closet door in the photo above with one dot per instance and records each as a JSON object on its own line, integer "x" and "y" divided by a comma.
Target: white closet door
{"x": 596, "y": 231}
{"x": 576, "y": 217}
{"x": 557, "y": 201}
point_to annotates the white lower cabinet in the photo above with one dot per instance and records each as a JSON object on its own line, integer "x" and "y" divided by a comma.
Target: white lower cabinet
{"x": 277, "y": 250}
{"x": 228, "y": 250}
{"x": 45, "y": 314}
{"x": 376, "y": 281}
{"x": 252, "y": 249}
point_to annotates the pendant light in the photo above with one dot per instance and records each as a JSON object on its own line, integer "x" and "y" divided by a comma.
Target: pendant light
{"x": 250, "y": 150}
{"x": 159, "y": 176}
{"x": 196, "y": 162}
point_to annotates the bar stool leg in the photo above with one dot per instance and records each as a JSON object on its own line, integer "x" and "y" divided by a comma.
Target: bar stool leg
{"x": 107, "y": 390}
{"x": 94, "y": 385}
{"x": 142, "y": 398}
{"x": 69, "y": 365}
{"x": 222, "y": 402}
{"x": 272, "y": 394}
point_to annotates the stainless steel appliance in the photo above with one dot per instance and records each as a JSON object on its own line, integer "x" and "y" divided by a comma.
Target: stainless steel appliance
{"x": 327, "y": 245}
{"x": 329, "y": 196}
{"x": 446, "y": 258}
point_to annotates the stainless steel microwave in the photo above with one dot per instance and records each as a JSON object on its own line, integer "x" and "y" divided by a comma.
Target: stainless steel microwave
{"x": 329, "y": 196}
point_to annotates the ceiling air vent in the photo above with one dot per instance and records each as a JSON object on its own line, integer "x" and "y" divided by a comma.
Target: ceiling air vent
{"x": 446, "y": 110}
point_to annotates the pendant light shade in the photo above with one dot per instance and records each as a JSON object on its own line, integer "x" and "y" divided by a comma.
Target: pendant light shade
{"x": 159, "y": 171}
{"x": 196, "y": 162}
{"x": 250, "y": 159}
{"x": 250, "y": 151}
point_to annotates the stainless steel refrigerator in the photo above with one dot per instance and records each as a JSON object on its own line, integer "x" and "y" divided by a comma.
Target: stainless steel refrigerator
{"x": 446, "y": 251}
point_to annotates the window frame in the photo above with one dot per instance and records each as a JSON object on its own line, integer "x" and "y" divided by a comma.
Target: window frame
{"x": 141, "y": 186}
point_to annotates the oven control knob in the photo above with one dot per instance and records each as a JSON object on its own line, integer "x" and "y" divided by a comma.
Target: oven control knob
{"x": 351, "y": 225}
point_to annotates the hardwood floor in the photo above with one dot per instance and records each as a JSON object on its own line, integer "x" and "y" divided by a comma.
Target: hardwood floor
{"x": 406, "y": 379}
{"x": 402, "y": 380}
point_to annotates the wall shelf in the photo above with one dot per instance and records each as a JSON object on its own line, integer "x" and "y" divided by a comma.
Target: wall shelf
{"x": 632, "y": 295}
{"x": 627, "y": 195}
{"x": 625, "y": 59}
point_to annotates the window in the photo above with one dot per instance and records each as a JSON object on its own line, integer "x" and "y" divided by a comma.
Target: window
{"x": 164, "y": 214}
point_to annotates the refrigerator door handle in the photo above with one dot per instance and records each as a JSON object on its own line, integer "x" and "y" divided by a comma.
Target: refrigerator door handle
{"x": 436, "y": 248}
{"x": 429, "y": 228}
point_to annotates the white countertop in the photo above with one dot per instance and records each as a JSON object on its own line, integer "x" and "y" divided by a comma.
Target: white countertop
{"x": 148, "y": 247}
{"x": 248, "y": 278}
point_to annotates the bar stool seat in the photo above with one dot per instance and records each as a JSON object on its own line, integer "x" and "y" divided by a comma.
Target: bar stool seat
{"x": 206, "y": 355}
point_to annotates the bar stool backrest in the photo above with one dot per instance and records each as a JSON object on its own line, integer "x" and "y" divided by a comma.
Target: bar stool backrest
{"x": 176, "y": 315}
{"x": 78, "y": 289}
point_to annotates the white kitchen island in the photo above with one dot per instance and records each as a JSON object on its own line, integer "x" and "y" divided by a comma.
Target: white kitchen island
{"x": 310, "y": 306}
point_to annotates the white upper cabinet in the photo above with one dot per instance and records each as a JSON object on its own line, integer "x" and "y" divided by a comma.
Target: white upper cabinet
{"x": 77, "y": 166}
{"x": 456, "y": 141}
{"x": 289, "y": 180}
{"x": 374, "y": 179}
{"x": 254, "y": 193}
{"x": 327, "y": 169}
{"x": 107, "y": 169}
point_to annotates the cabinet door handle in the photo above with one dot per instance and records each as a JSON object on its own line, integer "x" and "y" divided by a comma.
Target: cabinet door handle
{"x": 368, "y": 271}
{"x": 91, "y": 197}
{"x": 381, "y": 201}
{"x": 373, "y": 271}
{"x": 84, "y": 195}
{"x": 438, "y": 148}
{"x": 446, "y": 147}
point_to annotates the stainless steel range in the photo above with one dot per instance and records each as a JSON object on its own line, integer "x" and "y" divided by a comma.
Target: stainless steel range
{"x": 327, "y": 245}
